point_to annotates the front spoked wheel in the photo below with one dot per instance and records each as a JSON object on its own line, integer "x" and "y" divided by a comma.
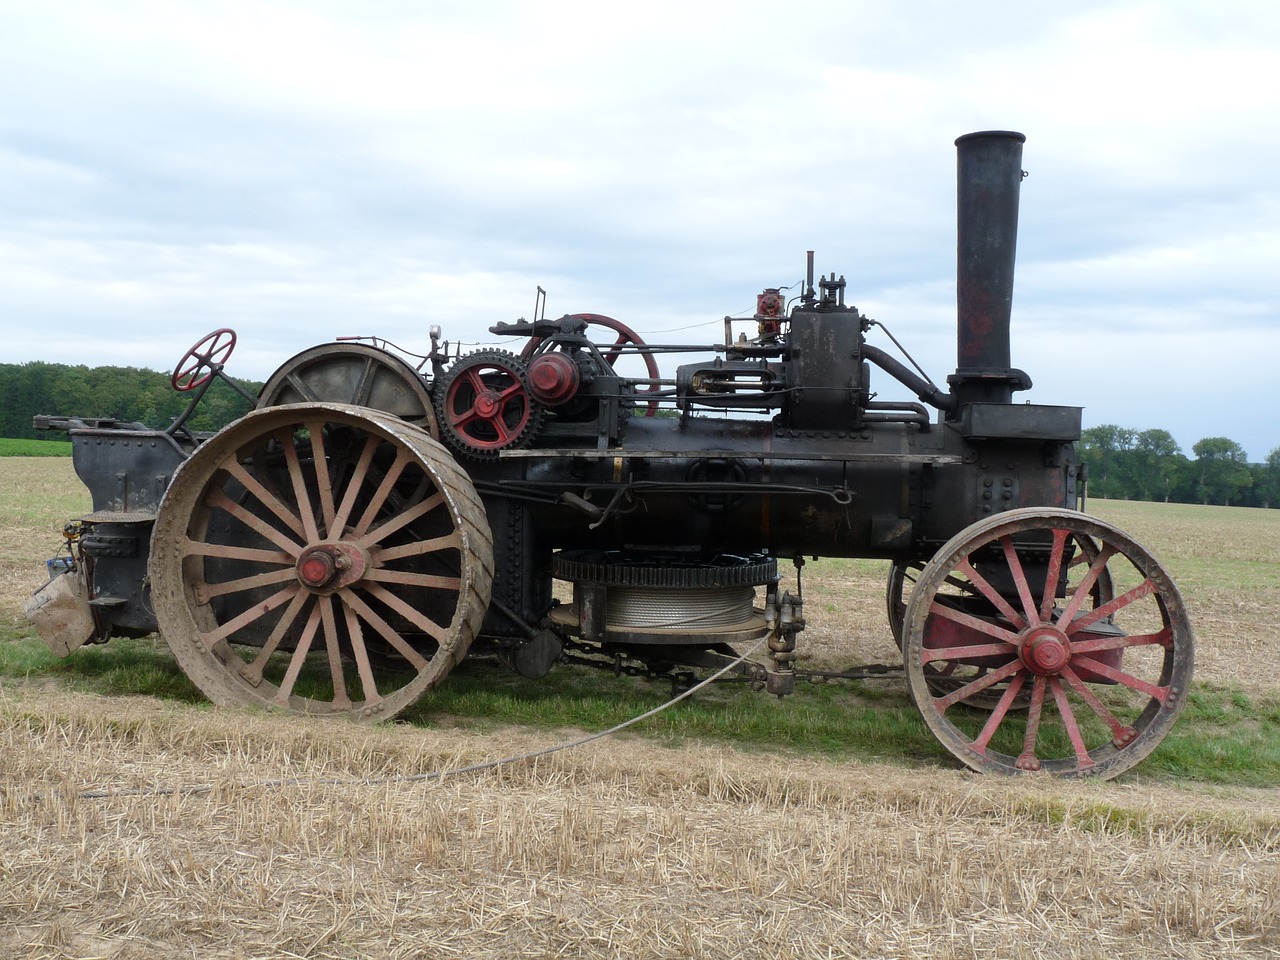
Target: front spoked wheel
{"x": 1074, "y": 629}
{"x": 320, "y": 558}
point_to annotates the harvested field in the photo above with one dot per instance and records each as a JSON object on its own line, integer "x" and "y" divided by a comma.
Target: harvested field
{"x": 620, "y": 848}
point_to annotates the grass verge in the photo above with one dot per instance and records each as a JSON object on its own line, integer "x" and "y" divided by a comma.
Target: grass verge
{"x": 10, "y": 447}
{"x": 1225, "y": 735}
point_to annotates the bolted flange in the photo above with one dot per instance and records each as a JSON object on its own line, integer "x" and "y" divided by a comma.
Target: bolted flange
{"x": 326, "y": 567}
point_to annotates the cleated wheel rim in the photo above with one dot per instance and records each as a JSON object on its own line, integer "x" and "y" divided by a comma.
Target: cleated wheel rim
{"x": 1087, "y": 677}
{"x": 352, "y": 373}
{"x": 321, "y": 559}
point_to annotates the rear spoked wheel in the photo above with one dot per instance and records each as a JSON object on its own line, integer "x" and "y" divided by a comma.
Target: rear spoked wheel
{"x": 1064, "y": 645}
{"x": 320, "y": 558}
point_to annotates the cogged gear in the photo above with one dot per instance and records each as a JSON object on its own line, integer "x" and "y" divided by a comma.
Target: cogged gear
{"x": 484, "y": 404}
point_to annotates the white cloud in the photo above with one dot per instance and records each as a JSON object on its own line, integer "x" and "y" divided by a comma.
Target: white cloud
{"x": 308, "y": 170}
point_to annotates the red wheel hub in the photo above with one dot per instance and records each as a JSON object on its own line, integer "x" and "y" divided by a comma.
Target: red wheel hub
{"x": 1045, "y": 651}
{"x": 327, "y": 567}
{"x": 488, "y": 405}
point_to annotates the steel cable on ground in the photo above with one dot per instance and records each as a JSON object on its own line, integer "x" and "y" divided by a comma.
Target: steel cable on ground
{"x": 195, "y": 789}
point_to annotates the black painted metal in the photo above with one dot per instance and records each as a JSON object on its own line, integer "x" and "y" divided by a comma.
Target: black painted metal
{"x": 989, "y": 177}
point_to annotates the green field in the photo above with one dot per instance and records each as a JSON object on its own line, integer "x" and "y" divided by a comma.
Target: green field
{"x": 34, "y": 448}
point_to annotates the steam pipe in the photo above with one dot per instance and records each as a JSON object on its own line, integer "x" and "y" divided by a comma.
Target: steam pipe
{"x": 922, "y": 388}
{"x": 989, "y": 176}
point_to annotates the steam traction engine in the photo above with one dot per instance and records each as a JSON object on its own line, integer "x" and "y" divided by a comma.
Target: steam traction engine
{"x": 339, "y": 549}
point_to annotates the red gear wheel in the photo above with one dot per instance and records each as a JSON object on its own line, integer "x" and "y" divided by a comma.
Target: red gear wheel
{"x": 484, "y": 404}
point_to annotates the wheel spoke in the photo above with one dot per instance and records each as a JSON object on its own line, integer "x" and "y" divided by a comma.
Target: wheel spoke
{"x": 1153, "y": 690}
{"x": 305, "y": 508}
{"x": 354, "y": 485}
{"x": 430, "y": 581}
{"x": 384, "y": 629}
{"x": 1163, "y": 638}
{"x": 1027, "y": 760}
{"x": 204, "y": 592}
{"x": 1083, "y": 760}
{"x": 224, "y": 551}
{"x": 1056, "y": 553}
{"x": 361, "y": 653}
{"x": 340, "y": 699}
{"x": 401, "y": 519}
{"x": 968, "y": 652}
{"x": 303, "y": 389}
{"x": 253, "y": 671}
{"x": 364, "y": 387}
{"x": 998, "y": 714}
{"x": 299, "y": 657}
{"x": 225, "y": 630}
{"x": 464, "y": 418}
{"x": 1144, "y": 589}
{"x": 428, "y": 626}
{"x": 991, "y": 593}
{"x": 268, "y": 499}
{"x": 500, "y": 428}
{"x": 1085, "y": 586}
{"x": 216, "y": 498}
{"x": 379, "y": 498}
{"x": 973, "y": 623}
{"x": 1020, "y": 581}
{"x": 976, "y": 686}
{"x": 417, "y": 548}
{"x": 324, "y": 483}
{"x": 510, "y": 390}
{"x": 1121, "y": 733}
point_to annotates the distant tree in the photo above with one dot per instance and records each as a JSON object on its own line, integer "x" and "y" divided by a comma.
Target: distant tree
{"x": 1266, "y": 480}
{"x": 1157, "y": 460}
{"x": 1098, "y": 448}
{"x": 1222, "y": 470}
{"x": 123, "y": 393}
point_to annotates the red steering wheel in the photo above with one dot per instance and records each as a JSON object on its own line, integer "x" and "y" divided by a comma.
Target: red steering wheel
{"x": 200, "y": 363}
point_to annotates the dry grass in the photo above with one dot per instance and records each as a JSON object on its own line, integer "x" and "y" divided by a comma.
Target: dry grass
{"x": 618, "y": 849}
{"x": 38, "y": 495}
{"x": 600, "y": 852}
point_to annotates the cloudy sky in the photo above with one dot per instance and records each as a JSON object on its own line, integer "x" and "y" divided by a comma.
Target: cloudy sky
{"x": 301, "y": 171}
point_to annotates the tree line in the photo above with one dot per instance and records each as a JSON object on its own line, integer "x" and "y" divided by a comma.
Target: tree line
{"x": 122, "y": 393}
{"x": 1123, "y": 464}
{"x": 1127, "y": 464}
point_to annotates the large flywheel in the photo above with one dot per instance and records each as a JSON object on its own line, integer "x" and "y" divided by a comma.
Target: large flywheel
{"x": 1068, "y": 636}
{"x": 320, "y": 558}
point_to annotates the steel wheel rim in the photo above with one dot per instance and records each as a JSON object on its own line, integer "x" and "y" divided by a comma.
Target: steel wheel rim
{"x": 356, "y": 374}
{"x": 1086, "y": 715}
{"x": 269, "y": 574}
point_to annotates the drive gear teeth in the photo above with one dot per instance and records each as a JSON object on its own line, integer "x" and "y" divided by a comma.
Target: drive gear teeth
{"x": 484, "y": 404}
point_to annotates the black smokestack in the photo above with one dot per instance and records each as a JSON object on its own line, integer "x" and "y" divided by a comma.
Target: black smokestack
{"x": 989, "y": 177}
